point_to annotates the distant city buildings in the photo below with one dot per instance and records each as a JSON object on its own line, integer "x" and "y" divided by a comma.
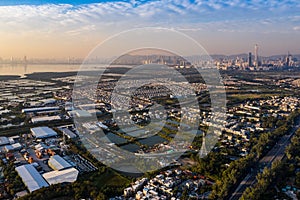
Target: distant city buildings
{"x": 251, "y": 61}
{"x": 256, "y": 62}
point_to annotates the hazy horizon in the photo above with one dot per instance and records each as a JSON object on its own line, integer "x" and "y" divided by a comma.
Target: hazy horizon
{"x": 82, "y": 58}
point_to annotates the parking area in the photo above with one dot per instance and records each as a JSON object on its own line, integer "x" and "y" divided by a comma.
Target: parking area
{"x": 42, "y": 162}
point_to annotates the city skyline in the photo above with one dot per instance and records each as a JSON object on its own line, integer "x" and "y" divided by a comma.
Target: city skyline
{"x": 25, "y": 58}
{"x": 60, "y": 28}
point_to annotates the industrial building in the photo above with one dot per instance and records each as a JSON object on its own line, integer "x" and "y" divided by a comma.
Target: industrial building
{"x": 13, "y": 147}
{"x": 79, "y": 113}
{"x": 68, "y": 133}
{"x": 31, "y": 177}
{"x": 101, "y": 125}
{"x": 35, "y": 120}
{"x": 4, "y": 141}
{"x": 58, "y": 163}
{"x": 43, "y": 132}
{"x": 64, "y": 176}
{"x": 40, "y": 109}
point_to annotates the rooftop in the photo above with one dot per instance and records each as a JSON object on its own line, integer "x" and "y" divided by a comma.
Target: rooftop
{"x": 45, "y": 118}
{"x": 80, "y": 113}
{"x": 4, "y": 141}
{"x": 68, "y": 133}
{"x": 43, "y": 132}
{"x": 67, "y": 175}
{"x": 58, "y": 163}
{"x": 38, "y": 109}
{"x": 31, "y": 177}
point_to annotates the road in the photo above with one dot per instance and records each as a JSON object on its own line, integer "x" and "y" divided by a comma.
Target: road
{"x": 276, "y": 153}
{"x": 26, "y": 129}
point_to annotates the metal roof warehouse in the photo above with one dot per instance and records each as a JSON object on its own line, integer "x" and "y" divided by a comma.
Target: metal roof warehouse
{"x": 45, "y": 119}
{"x": 63, "y": 176}
{"x": 31, "y": 177}
{"x": 58, "y": 163}
{"x": 43, "y": 132}
{"x": 4, "y": 141}
{"x": 39, "y": 109}
{"x": 68, "y": 133}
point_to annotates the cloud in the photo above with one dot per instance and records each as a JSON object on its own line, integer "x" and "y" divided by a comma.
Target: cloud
{"x": 165, "y": 11}
{"x": 296, "y": 28}
{"x": 190, "y": 16}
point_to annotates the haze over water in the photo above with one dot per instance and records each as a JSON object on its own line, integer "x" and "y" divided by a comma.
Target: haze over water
{"x": 22, "y": 70}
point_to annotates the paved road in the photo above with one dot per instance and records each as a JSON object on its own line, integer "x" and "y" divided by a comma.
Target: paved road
{"x": 276, "y": 153}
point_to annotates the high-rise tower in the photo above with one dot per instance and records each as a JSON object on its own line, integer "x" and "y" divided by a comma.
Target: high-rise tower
{"x": 288, "y": 59}
{"x": 25, "y": 60}
{"x": 256, "y": 55}
{"x": 250, "y": 59}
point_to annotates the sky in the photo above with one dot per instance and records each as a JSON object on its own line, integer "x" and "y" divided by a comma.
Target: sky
{"x": 72, "y": 28}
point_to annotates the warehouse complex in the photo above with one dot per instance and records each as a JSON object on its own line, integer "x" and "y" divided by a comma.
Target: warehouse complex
{"x": 34, "y": 180}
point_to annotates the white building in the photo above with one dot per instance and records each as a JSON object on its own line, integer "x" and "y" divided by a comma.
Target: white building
{"x": 35, "y": 120}
{"x": 79, "y": 113}
{"x": 13, "y": 147}
{"x": 68, "y": 133}
{"x": 58, "y": 163}
{"x": 64, "y": 176}
{"x": 4, "y": 141}
{"x": 31, "y": 177}
{"x": 43, "y": 132}
{"x": 40, "y": 109}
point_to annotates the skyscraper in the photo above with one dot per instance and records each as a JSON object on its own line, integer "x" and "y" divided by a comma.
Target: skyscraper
{"x": 250, "y": 59}
{"x": 256, "y": 55}
{"x": 288, "y": 59}
{"x": 25, "y": 60}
